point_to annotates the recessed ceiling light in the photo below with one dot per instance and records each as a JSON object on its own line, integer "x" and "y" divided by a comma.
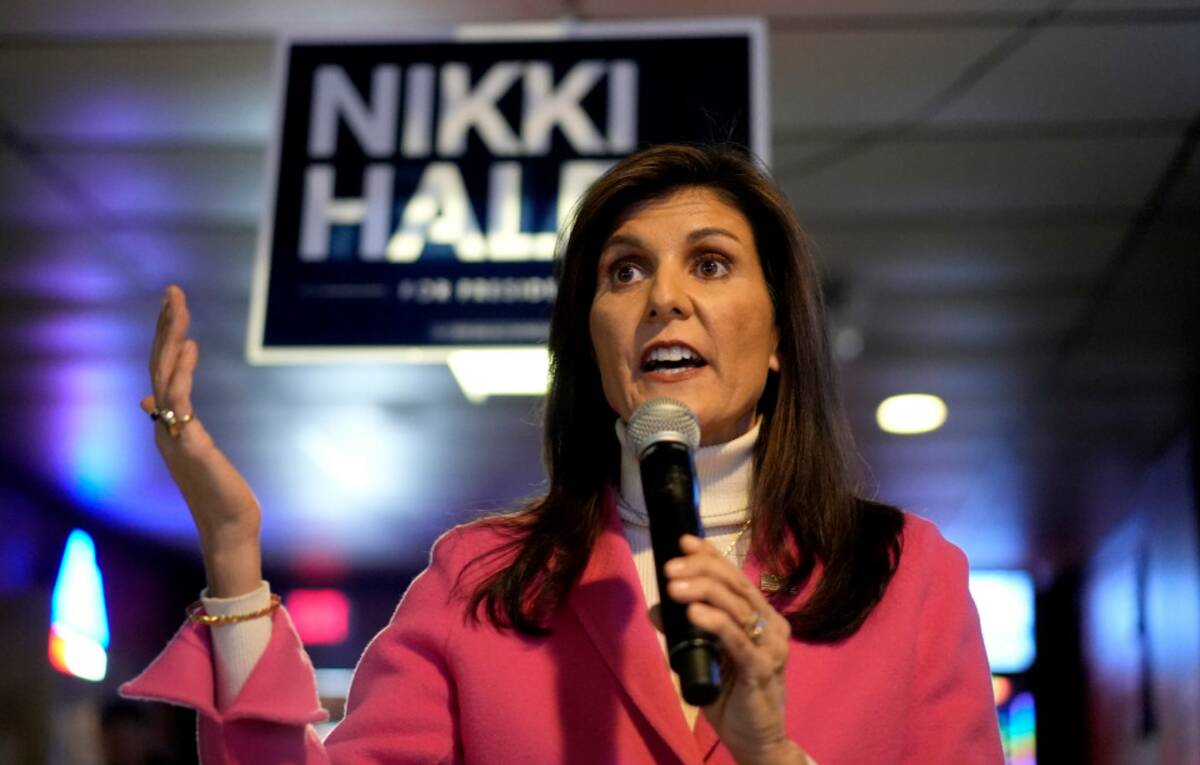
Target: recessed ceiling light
{"x": 911, "y": 413}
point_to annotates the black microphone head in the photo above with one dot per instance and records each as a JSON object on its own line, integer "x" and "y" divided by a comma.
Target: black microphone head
{"x": 663, "y": 419}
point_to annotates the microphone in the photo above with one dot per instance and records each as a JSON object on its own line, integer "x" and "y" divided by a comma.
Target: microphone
{"x": 664, "y": 433}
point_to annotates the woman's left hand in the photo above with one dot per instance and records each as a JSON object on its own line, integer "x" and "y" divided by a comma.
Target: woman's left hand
{"x": 749, "y": 715}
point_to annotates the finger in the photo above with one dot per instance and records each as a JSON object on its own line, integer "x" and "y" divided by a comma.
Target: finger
{"x": 161, "y": 330}
{"x": 160, "y": 327}
{"x": 755, "y": 661}
{"x": 742, "y": 611}
{"x": 700, "y": 552}
{"x": 715, "y": 582}
{"x": 179, "y": 388}
{"x": 704, "y": 589}
{"x": 147, "y": 404}
{"x": 690, "y": 543}
{"x": 174, "y": 331}
{"x": 699, "y": 563}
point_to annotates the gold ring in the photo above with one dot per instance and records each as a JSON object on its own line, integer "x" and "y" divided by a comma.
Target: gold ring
{"x": 755, "y": 627}
{"x": 166, "y": 415}
{"x": 174, "y": 422}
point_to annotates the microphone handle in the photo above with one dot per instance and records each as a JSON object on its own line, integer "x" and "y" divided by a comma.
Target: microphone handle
{"x": 669, "y": 488}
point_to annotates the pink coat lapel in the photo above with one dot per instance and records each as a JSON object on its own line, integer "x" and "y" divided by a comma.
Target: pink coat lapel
{"x": 609, "y": 603}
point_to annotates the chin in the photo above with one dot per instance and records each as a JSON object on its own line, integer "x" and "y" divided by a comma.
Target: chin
{"x": 725, "y": 430}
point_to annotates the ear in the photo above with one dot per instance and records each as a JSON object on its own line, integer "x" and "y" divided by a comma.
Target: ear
{"x": 773, "y": 361}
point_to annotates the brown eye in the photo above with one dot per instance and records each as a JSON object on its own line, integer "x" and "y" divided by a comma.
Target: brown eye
{"x": 712, "y": 268}
{"x": 625, "y": 273}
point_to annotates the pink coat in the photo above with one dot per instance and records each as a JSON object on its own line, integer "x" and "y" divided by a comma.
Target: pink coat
{"x": 911, "y": 686}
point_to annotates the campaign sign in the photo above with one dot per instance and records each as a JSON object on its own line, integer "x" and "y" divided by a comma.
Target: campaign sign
{"x": 420, "y": 185}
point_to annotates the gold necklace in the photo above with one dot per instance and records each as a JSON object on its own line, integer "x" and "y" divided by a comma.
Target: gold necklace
{"x": 736, "y": 539}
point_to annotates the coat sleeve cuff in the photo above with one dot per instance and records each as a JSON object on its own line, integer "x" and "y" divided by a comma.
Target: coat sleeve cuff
{"x": 280, "y": 689}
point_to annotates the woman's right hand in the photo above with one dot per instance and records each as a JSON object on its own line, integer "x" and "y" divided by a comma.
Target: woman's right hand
{"x": 223, "y": 507}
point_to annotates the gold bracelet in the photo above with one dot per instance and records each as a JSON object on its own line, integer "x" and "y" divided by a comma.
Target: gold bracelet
{"x": 194, "y": 613}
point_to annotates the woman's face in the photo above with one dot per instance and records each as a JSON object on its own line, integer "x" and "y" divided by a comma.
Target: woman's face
{"x": 682, "y": 310}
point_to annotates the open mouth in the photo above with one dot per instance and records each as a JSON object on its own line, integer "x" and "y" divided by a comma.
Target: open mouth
{"x": 671, "y": 358}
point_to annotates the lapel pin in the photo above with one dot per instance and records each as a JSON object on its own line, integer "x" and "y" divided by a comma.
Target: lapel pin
{"x": 772, "y": 584}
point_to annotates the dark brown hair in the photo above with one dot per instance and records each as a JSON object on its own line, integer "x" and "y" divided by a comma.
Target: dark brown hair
{"x": 804, "y": 490}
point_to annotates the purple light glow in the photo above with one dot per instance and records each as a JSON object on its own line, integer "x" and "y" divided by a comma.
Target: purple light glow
{"x": 76, "y": 280}
{"x": 84, "y": 282}
{"x": 104, "y": 456}
{"x": 160, "y": 258}
{"x": 93, "y": 457}
{"x": 83, "y": 334}
{"x": 133, "y": 185}
{"x": 98, "y": 446}
{"x": 113, "y": 114}
{"x": 170, "y": 184}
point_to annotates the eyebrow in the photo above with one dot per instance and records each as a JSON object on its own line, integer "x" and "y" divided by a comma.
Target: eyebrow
{"x": 625, "y": 239}
{"x": 700, "y": 233}
{"x": 708, "y": 231}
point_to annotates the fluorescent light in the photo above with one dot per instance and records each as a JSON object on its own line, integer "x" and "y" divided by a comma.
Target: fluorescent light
{"x": 488, "y": 372}
{"x": 78, "y": 616}
{"x": 911, "y": 413}
{"x": 77, "y": 655}
{"x": 1004, "y": 600}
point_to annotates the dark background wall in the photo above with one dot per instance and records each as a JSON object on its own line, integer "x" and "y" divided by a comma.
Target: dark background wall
{"x": 1141, "y": 622}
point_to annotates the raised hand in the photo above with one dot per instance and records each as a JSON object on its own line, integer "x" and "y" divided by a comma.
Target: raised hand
{"x": 223, "y": 507}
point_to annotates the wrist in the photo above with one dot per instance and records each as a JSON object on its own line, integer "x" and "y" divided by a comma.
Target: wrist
{"x": 233, "y": 568}
{"x": 783, "y": 752}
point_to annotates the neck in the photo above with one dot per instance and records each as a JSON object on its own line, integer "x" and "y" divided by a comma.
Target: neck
{"x": 724, "y": 471}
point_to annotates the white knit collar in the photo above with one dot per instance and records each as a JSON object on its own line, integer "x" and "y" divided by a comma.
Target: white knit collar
{"x": 724, "y": 471}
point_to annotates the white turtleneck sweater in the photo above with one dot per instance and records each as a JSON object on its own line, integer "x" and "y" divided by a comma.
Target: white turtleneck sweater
{"x": 724, "y": 472}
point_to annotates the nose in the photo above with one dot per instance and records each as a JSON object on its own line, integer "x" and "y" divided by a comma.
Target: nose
{"x": 668, "y": 297}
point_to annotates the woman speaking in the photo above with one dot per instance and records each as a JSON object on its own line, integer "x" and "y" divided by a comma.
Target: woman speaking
{"x": 845, "y": 628}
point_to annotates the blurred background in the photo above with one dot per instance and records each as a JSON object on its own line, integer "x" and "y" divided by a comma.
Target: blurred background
{"x": 1005, "y": 197}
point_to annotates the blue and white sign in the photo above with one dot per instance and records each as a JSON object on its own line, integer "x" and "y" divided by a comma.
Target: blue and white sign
{"x": 420, "y": 185}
